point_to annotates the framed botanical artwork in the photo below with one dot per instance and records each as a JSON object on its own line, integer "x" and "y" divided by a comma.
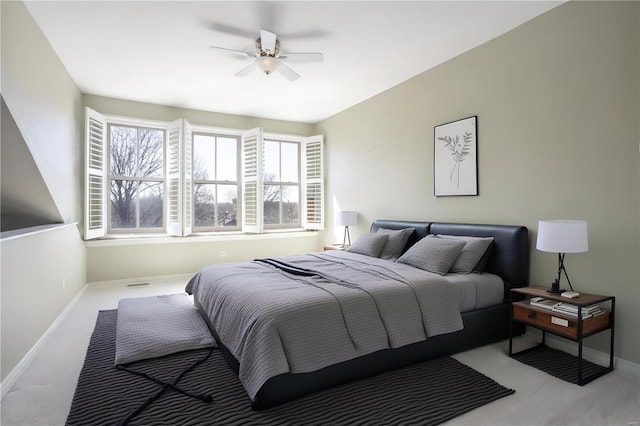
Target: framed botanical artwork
{"x": 455, "y": 160}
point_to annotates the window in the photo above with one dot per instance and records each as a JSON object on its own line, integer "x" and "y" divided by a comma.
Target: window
{"x": 215, "y": 182}
{"x": 274, "y": 165}
{"x": 136, "y": 179}
{"x": 144, "y": 177}
{"x": 281, "y": 187}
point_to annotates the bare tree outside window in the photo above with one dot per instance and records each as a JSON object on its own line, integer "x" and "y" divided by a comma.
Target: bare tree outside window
{"x": 215, "y": 177}
{"x": 137, "y": 178}
{"x": 281, "y": 176}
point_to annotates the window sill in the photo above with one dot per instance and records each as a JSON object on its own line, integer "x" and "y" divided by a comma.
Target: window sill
{"x": 128, "y": 240}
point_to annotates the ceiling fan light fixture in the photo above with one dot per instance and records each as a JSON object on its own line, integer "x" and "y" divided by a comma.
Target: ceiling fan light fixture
{"x": 267, "y": 64}
{"x": 267, "y": 57}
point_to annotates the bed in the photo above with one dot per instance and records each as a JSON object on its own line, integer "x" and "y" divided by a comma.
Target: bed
{"x": 294, "y": 325}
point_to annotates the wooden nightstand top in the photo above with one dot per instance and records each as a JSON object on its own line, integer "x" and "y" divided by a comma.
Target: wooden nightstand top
{"x": 335, "y": 247}
{"x": 583, "y": 300}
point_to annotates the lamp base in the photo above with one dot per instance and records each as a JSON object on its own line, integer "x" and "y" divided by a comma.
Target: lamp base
{"x": 555, "y": 288}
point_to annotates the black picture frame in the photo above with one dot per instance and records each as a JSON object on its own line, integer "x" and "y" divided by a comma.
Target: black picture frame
{"x": 455, "y": 158}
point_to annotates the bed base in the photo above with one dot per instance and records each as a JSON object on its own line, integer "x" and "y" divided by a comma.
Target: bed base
{"x": 481, "y": 327}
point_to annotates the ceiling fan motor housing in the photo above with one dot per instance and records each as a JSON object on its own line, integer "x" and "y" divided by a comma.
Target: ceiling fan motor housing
{"x": 262, "y": 52}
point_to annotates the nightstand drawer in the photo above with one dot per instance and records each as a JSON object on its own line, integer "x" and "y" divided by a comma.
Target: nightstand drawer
{"x": 558, "y": 323}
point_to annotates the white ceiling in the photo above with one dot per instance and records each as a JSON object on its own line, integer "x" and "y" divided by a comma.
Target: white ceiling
{"x": 158, "y": 51}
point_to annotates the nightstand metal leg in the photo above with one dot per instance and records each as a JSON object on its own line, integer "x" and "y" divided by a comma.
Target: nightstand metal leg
{"x": 510, "y": 324}
{"x": 613, "y": 328}
{"x": 580, "y": 382}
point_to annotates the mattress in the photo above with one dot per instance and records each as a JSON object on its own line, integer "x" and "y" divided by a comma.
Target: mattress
{"x": 476, "y": 291}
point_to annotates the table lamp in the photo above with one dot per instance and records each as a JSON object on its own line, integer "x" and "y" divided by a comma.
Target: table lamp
{"x": 562, "y": 236}
{"x": 346, "y": 219}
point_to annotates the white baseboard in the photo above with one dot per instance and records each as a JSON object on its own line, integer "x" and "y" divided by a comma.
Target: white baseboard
{"x": 156, "y": 279}
{"x": 26, "y": 360}
{"x": 627, "y": 367}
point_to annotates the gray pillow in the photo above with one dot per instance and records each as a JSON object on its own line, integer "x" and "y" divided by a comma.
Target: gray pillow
{"x": 369, "y": 244}
{"x": 395, "y": 244}
{"x": 474, "y": 249}
{"x": 484, "y": 260}
{"x": 433, "y": 254}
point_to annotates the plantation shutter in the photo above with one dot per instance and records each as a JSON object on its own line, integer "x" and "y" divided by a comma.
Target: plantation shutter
{"x": 95, "y": 217}
{"x": 187, "y": 175}
{"x": 252, "y": 192}
{"x": 174, "y": 187}
{"x": 313, "y": 183}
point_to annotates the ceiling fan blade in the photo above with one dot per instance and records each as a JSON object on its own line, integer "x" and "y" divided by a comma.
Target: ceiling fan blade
{"x": 301, "y": 35}
{"x": 302, "y": 57}
{"x": 287, "y": 72}
{"x": 268, "y": 41}
{"x": 228, "y": 29}
{"x": 246, "y": 70}
{"x": 236, "y": 52}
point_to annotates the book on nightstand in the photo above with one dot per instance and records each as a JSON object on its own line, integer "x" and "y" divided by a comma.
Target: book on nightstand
{"x": 542, "y": 303}
{"x": 569, "y": 309}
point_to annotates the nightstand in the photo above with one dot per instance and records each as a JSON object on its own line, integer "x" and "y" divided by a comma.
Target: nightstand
{"x": 568, "y": 326}
{"x": 335, "y": 247}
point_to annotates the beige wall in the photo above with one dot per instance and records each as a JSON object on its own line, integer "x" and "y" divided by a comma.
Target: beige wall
{"x": 142, "y": 110}
{"x": 45, "y": 104}
{"x": 40, "y": 276}
{"x": 46, "y": 107}
{"x": 187, "y": 255}
{"x": 557, "y": 101}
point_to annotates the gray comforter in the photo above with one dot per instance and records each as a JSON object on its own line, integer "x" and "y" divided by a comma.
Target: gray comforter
{"x": 302, "y": 313}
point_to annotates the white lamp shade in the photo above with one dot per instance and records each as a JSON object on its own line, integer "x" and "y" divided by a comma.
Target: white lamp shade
{"x": 346, "y": 218}
{"x": 562, "y": 236}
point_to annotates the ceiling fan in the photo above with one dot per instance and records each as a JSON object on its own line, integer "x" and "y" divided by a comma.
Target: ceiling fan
{"x": 268, "y": 57}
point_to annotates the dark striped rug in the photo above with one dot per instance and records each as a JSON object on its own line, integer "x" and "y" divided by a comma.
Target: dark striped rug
{"x": 558, "y": 363}
{"x": 425, "y": 394}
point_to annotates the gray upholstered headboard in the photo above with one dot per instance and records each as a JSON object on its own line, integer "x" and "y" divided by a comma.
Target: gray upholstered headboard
{"x": 510, "y": 252}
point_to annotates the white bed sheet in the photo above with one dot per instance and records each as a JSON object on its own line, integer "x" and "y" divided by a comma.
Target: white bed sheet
{"x": 477, "y": 291}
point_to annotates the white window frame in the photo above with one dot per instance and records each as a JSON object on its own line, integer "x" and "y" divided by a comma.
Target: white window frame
{"x": 109, "y": 177}
{"x": 178, "y": 183}
{"x": 237, "y": 181}
{"x": 281, "y": 183}
{"x": 311, "y": 180}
